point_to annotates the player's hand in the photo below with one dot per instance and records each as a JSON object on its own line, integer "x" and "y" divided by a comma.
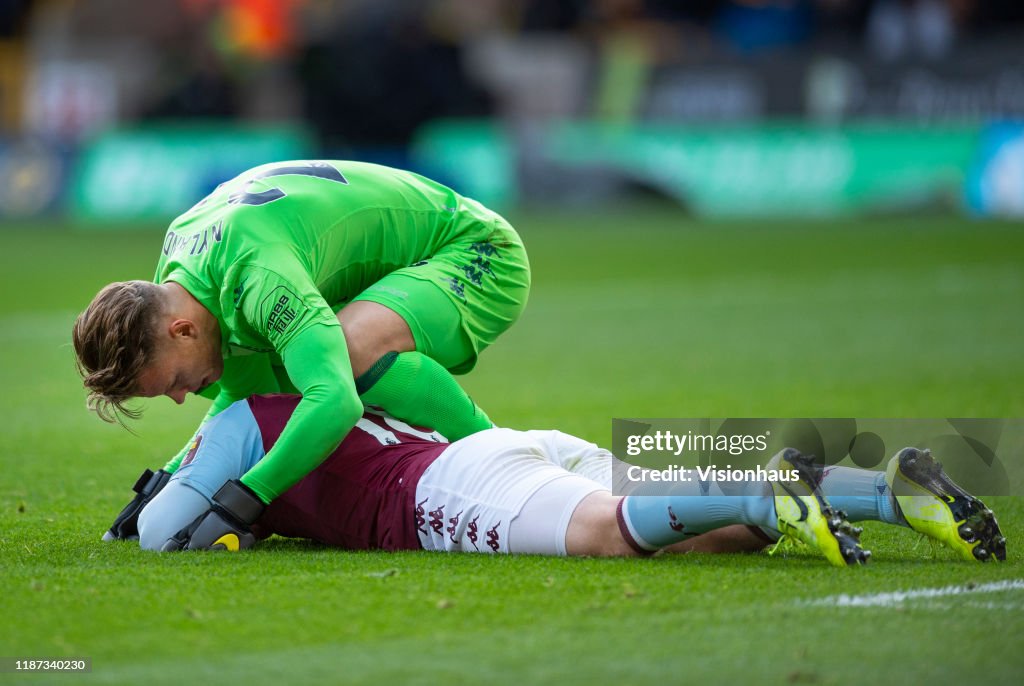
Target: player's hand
{"x": 126, "y": 526}
{"x": 226, "y": 525}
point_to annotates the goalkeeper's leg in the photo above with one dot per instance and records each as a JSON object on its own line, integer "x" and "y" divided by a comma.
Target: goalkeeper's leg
{"x": 390, "y": 373}
{"x": 415, "y": 327}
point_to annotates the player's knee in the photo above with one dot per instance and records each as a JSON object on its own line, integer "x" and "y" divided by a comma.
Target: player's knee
{"x": 371, "y": 331}
{"x": 594, "y": 528}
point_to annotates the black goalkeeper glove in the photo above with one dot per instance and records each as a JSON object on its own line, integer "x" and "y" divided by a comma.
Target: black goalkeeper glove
{"x": 126, "y": 526}
{"x": 225, "y": 526}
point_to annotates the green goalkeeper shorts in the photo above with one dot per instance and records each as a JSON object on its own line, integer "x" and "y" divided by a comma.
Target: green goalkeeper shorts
{"x": 458, "y": 301}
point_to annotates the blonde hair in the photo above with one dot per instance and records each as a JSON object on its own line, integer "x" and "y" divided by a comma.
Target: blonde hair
{"x": 114, "y": 339}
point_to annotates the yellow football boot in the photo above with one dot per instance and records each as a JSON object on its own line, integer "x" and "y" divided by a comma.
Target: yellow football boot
{"x": 935, "y": 506}
{"x": 804, "y": 514}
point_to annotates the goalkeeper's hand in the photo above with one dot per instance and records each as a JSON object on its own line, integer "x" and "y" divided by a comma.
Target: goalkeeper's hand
{"x": 225, "y": 526}
{"x": 126, "y": 526}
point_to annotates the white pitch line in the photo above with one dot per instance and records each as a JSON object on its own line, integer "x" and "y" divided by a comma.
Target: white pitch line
{"x": 898, "y": 597}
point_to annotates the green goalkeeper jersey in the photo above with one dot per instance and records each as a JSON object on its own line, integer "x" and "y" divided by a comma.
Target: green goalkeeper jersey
{"x": 273, "y": 254}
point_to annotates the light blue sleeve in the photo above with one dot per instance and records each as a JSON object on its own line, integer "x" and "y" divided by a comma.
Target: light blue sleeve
{"x": 226, "y": 447}
{"x": 173, "y": 508}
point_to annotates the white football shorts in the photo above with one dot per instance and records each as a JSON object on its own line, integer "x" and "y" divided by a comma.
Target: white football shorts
{"x": 507, "y": 491}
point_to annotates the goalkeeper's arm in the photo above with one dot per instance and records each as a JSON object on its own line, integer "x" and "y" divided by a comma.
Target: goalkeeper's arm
{"x": 242, "y": 377}
{"x": 317, "y": 363}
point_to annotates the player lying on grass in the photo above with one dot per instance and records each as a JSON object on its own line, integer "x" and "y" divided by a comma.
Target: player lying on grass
{"x": 393, "y": 487}
{"x": 347, "y": 283}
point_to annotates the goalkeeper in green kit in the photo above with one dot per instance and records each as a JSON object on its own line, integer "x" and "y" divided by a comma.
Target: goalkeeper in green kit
{"x": 351, "y": 284}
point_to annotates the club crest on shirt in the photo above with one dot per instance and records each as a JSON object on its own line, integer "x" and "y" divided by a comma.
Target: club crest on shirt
{"x": 192, "y": 450}
{"x": 280, "y": 309}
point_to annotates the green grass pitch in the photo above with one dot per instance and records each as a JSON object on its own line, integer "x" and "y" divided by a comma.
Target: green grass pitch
{"x": 632, "y": 315}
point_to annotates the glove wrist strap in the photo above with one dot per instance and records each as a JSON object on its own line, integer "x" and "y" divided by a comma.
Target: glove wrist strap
{"x": 239, "y": 501}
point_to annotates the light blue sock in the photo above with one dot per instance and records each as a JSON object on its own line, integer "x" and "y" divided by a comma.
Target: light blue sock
{"x": 651, "y": 522}
{"x": 861, "y": 493}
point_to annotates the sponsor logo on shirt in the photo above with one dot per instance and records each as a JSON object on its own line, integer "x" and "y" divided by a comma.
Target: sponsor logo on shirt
{"x": 281, "y": 308}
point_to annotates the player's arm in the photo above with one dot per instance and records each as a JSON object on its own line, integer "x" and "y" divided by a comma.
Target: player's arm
{"x": 283, "y": 307}
{"x": 317, "y": 363}
{"x": 292, "y": 316}
{"x": 231, "y": 443}
{"x": 243, "y": 376}
{"x": 329, "y": 408}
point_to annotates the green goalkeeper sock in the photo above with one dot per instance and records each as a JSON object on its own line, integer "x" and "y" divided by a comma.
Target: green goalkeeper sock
{"x": 416, "y": 389}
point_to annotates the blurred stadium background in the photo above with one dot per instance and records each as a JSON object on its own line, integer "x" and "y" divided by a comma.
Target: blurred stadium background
{"x": 124, "y": 111}
{"x": 732, "y": 207}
